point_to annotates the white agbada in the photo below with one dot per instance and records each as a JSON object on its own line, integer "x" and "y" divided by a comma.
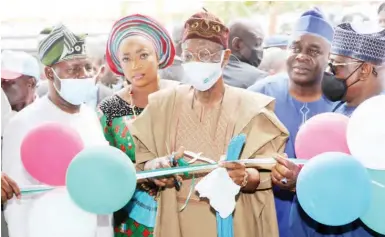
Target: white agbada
{"x": 6, "y": 111}
{"x": 43, "y": 110}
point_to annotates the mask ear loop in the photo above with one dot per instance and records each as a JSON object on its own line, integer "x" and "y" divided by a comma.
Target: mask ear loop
{"x": 352, "y": 74}
{"x": 232, "y": 55}
{"x": 222, "y": 57}
{"x": 97, "y": 74}
{"x": 54, "y": 79}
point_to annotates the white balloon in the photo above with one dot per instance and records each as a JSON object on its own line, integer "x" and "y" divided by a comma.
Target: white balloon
{"x": 55, "y": 214}
{"x": 366, "y": 133}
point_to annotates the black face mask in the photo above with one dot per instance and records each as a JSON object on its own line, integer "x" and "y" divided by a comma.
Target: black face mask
{"x": 335, "y": 89}
{"x": 255, "y": 57}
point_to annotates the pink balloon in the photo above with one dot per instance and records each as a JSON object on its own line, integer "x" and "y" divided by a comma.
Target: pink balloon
{"x": 322, "y": 133}
{"x": 47, "y": 151}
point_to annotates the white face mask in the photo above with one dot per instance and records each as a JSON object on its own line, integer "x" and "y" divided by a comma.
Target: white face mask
{"x": 75, "y": 91}
{"x": 118, "y": 86}
{"x": 202, "y": 76}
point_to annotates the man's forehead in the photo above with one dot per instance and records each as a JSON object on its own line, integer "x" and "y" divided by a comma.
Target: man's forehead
{"x": 340, "y": 58}
{"x": 21, "y": 77}
{"x": 309, "y": 41}
{"x": 79, "y": 62}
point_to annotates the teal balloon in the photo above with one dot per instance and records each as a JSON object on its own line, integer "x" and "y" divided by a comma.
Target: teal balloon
{"x": 334, "y": 188}
{"x": 374, "y": 218}
{"x": 101, "y": 179}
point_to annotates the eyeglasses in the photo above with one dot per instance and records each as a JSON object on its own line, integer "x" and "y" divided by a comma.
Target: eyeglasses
{"x": 333, "y": 65}
{"x": 204, "y": 55}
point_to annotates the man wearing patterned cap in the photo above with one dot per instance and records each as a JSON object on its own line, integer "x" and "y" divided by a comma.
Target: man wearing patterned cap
{"x": 202, "y": 117}
{"x": 298, "y": 98}
{"x": 68, "y": 71}
{"x": 357, "y": 61}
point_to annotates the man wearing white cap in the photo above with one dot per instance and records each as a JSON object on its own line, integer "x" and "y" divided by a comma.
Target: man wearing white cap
{"x": 19, "y": 76}
{"x": 6, "y": 110}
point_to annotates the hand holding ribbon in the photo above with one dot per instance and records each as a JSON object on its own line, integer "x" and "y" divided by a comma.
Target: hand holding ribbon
{"x": 165, "y": 162}
{"x": 9, "y": 188}
{"x": 236, "y": 171}
{"x": 284, "y": 174}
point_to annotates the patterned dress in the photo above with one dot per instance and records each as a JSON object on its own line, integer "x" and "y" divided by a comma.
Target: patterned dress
{"x": 114, "y": 113}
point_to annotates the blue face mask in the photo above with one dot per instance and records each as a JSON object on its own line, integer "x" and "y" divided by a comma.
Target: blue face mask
{"x": 75, "y": 91}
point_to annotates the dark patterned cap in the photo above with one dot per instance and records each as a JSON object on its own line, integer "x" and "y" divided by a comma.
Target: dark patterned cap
{"x": 204, "y": 25}
{"x": 367, "y": 47}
